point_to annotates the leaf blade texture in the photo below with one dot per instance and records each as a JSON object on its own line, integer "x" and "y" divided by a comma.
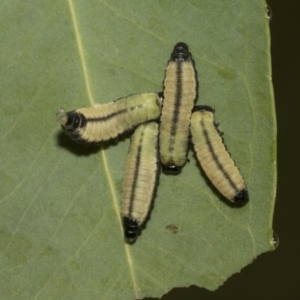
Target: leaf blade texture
{"x": 60, "y": 230}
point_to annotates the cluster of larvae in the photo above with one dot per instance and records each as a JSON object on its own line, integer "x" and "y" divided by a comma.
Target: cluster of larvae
{"x": 163, "y": 124}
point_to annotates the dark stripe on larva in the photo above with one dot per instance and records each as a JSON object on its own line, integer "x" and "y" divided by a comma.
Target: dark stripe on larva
{"x": 117, "y": 113}
{"x": 177, "y": 103}
{"x": 136, "y": 172}
{"x": 215, "y": 158}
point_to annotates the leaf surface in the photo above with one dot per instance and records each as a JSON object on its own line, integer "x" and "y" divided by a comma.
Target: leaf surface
{"x": 60, "y": 229}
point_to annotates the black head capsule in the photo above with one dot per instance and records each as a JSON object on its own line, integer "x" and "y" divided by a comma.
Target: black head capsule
{"x": 181, "y": 52}
{"x": 75, "y": 120}
{"x": 241, "y": 198}
{"x": 70, "y": 120}
{"x": 131, "y": 229}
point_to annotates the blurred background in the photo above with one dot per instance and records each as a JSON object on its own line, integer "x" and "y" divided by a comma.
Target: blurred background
{"x": 274, "y": 275}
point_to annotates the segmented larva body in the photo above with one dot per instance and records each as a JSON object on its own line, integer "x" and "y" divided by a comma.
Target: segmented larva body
{"x": 214, "y": 158}
{"x": 180, "y": 92}
{"x": 104, "y": 122}
{"x": 140, "y": 179}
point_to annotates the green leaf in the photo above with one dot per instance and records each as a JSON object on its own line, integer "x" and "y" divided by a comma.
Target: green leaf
{"x": 60, "y": 230}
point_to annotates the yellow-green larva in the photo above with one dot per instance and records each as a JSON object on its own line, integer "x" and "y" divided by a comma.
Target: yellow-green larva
{"x": 214, "y": 158}
{"x": 140, "y": 179}
{"x": 180, "y": 92}
{"x": 104, "y": 122}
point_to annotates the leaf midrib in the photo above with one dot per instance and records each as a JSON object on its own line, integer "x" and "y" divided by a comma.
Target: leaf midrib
{"x": 107, "y": 172}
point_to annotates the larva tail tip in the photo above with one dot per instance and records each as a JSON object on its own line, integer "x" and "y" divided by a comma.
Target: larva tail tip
{"x": 129, "y": 240}
{"x": 203, "y": 108}
{"x": 171, "y": 169}
{"x": 61, "y": 116}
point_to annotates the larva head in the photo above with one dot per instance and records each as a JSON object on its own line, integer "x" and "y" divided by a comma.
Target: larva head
{"x": 71, "y": 120}
{"x": 131, "y": 229}
{"x": 180, "y": 52}
{"x": 241, "y": 198}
